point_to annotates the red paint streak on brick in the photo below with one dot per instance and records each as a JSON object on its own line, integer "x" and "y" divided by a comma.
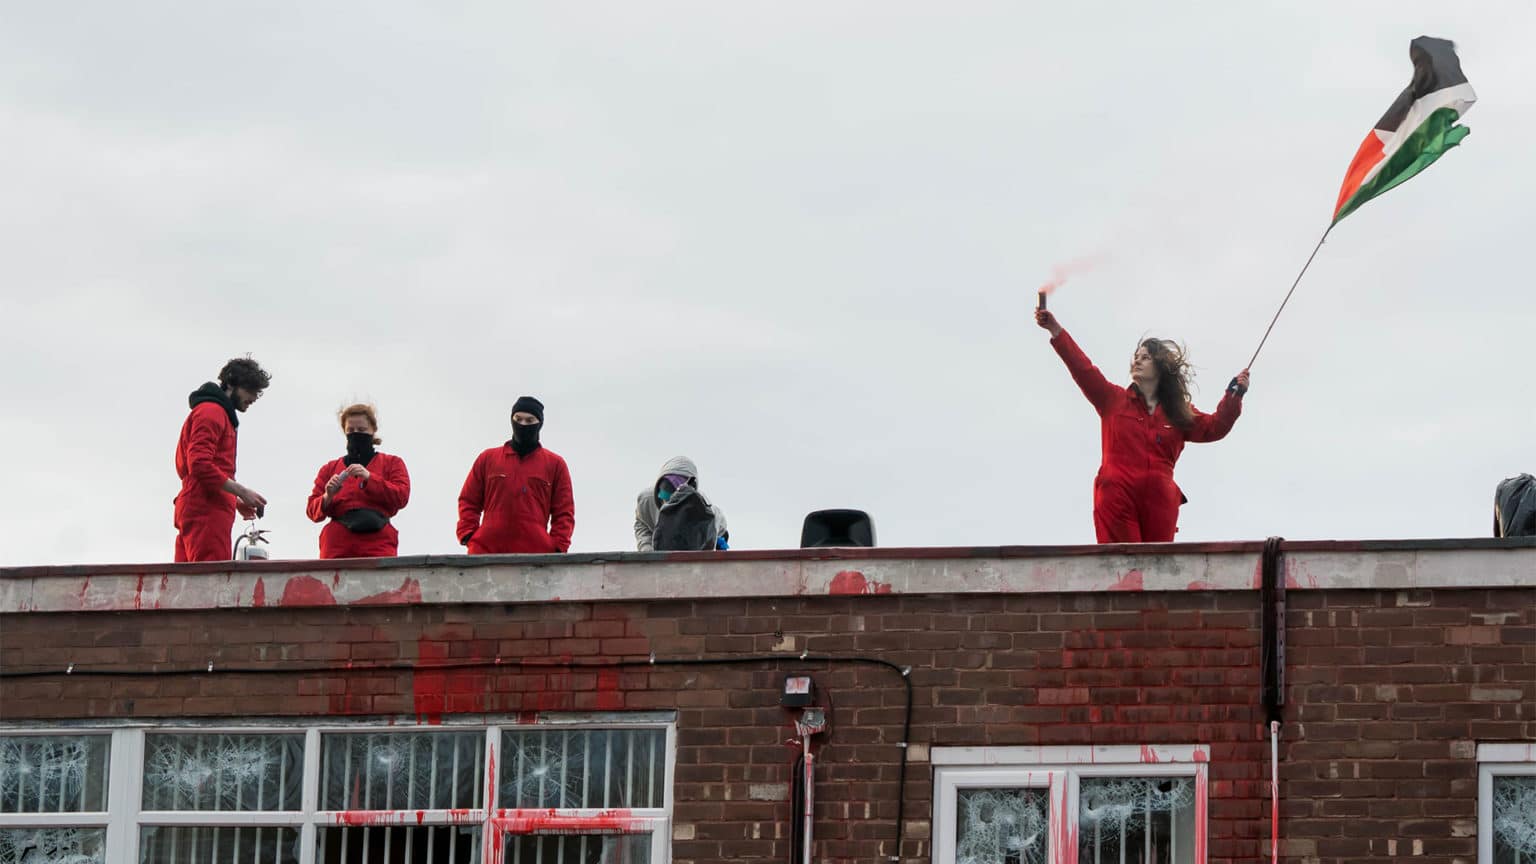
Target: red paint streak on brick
{"x": 259, "y": 593}
{"x": 1131, "y": 581}
{"x": 527, "y": 718}
{"x": 853, "y": 582}
{"x": 138, "y": 593}
{"x": 435, "y": 692}
{"x": 608, "y": 821}
{"x": 84, "y": 587}
{"x": 608, "y": 696}
{"x": 408, "y": 592}
{"x": 306, "y": 591}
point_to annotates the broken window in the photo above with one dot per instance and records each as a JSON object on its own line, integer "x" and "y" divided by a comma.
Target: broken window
{"x": 574, "y": 768}
{"x": 1115, "y": 804}
{"x": 53, "y": 845}
{"x": 47, "y": 775}
{"x": 403, "y": 771}
{"x": 1005, "y": 826}
{"x": 578, "y": 849}
{"x": 223, "y": 772}
{"x": 1135, "y": 819}
{"x": 53, "y": 773}
{"x": 1514, "y": 819}
{"x": 571, "y": 791}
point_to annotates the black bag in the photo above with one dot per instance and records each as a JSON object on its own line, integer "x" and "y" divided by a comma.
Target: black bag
{"x": 363, "y": 520}
{"x": 1514, "y": 507}
{"x": 686, "y": 523}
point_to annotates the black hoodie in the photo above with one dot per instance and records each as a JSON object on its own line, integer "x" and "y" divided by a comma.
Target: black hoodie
{"x": 212, "y": 392}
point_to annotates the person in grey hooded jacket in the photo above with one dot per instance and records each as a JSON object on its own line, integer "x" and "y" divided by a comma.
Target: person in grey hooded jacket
{"x": 676, "y": 488}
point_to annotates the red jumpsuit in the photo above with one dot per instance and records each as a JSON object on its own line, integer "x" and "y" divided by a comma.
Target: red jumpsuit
{"x": 386, "y": 490}
{"x": 1134, "y": 497}
{"x": 205, "y": 457}
{"x": 512, "y": 504}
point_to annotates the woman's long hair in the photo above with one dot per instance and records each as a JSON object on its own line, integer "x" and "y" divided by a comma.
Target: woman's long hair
{"x": 1173, "y": 376}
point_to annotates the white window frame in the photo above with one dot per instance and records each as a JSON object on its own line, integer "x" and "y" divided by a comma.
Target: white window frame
{"x": 1059, "y": 770}
{"x": 124, "y": 817}
{"x": 1497, "y": 760}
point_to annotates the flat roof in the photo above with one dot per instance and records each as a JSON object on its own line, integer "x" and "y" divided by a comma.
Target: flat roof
{"x": 637, "y": 576}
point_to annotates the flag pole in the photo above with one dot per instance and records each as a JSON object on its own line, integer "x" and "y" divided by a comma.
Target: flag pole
{"x": 1289, "y": 293}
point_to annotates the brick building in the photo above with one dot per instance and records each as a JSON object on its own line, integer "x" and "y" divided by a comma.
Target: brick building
{"x": 1069, "y": 704}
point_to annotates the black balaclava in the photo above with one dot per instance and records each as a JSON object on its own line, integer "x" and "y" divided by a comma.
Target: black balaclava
{"x": 525, "y": 439}
{"x": 359, "y": 448}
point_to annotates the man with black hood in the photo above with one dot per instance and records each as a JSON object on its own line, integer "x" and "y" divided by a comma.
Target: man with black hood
{"x": 517, "y": 497}
{"x": 205, "y": 461}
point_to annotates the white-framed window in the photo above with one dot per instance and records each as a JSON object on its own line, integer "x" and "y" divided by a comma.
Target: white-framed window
{"x": 1070, "y": 805}
{"x": 1506, "y": 803}
{"x": 569, "y": 789}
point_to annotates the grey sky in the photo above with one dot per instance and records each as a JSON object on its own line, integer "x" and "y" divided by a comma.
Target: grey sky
{"x": 796, "y": 242}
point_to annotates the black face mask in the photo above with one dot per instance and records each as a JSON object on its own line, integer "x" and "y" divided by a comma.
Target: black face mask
{"x": 525, "y": 439}
{"x": 359, "y": 447}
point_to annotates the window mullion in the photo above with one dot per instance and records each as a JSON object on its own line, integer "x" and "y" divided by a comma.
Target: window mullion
{"x": 309, "y": 795}
{"x": 490, "y": 836}
{"x": 125, "y": 784}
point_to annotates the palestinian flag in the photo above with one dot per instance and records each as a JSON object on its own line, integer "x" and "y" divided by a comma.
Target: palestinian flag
{"x": 1418, "y": 128}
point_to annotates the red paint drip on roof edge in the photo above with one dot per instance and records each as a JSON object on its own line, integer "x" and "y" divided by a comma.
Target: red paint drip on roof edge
{"x": 306, "y": 591}
{"x": 258, "y": 593}
{"x": 1131, "y": 581}
{"x": 853, "y": 582}
{"x": 408, "y": 592}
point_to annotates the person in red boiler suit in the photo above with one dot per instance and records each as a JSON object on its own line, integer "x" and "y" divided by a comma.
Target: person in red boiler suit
{"x": 205, "y": 507}
{"x": 517, "y": 497}
{"x": 360, "y": 492}
{"x": 1144, "y": 427}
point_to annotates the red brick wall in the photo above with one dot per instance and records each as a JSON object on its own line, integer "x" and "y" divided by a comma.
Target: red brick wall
{"x": 1121, "y": 668}
{"x": 1390, "y": 692}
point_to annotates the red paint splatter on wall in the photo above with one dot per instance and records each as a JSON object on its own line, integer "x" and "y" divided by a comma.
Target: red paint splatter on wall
{"x": 853, "y": 582}
{"x": 609, "y": 698}
{"x": 259, "y": 593}
{"x": 1197, "y": 585}
{"x": 84, "y": 587}
{"x": 1131, "y": 581}
{"x": 306, "y": 591}
{"x": 1149, "y": 755}
{"x": 547, "y": 821}
{"x": 435, "y": 692}
{"x": 408, "y": 592}
{"x": 138, "y": 593}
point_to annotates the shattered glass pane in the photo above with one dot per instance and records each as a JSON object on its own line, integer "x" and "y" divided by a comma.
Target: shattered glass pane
{"x": 402, "y": 771}
{"x": 577, "y": 849}
{"x": 571, "y": 768}
{"x": 53, "y": 845}
{"x": 1002, "y": 826}
{"x": 223, "y": 772}
{"x": 226, "y": 845}
{"x": 1136, "y": 820}
{"x": 53, "y": 773}
{"x": 414, "y": 844}
{"x": 1514, "y": 820}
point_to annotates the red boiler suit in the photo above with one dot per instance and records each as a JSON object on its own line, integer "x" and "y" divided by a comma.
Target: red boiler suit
{"x": 512, "y": 504}
{"x": 205, "y": 457}
{"x": 1134, "y": 497}
{"x": 387, "y": 490}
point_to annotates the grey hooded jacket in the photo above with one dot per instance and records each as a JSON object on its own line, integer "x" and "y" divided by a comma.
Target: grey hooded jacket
{"x": 647, "y": 508}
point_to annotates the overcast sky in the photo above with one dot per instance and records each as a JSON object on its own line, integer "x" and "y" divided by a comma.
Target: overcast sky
{"x": 796, "y": 242}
